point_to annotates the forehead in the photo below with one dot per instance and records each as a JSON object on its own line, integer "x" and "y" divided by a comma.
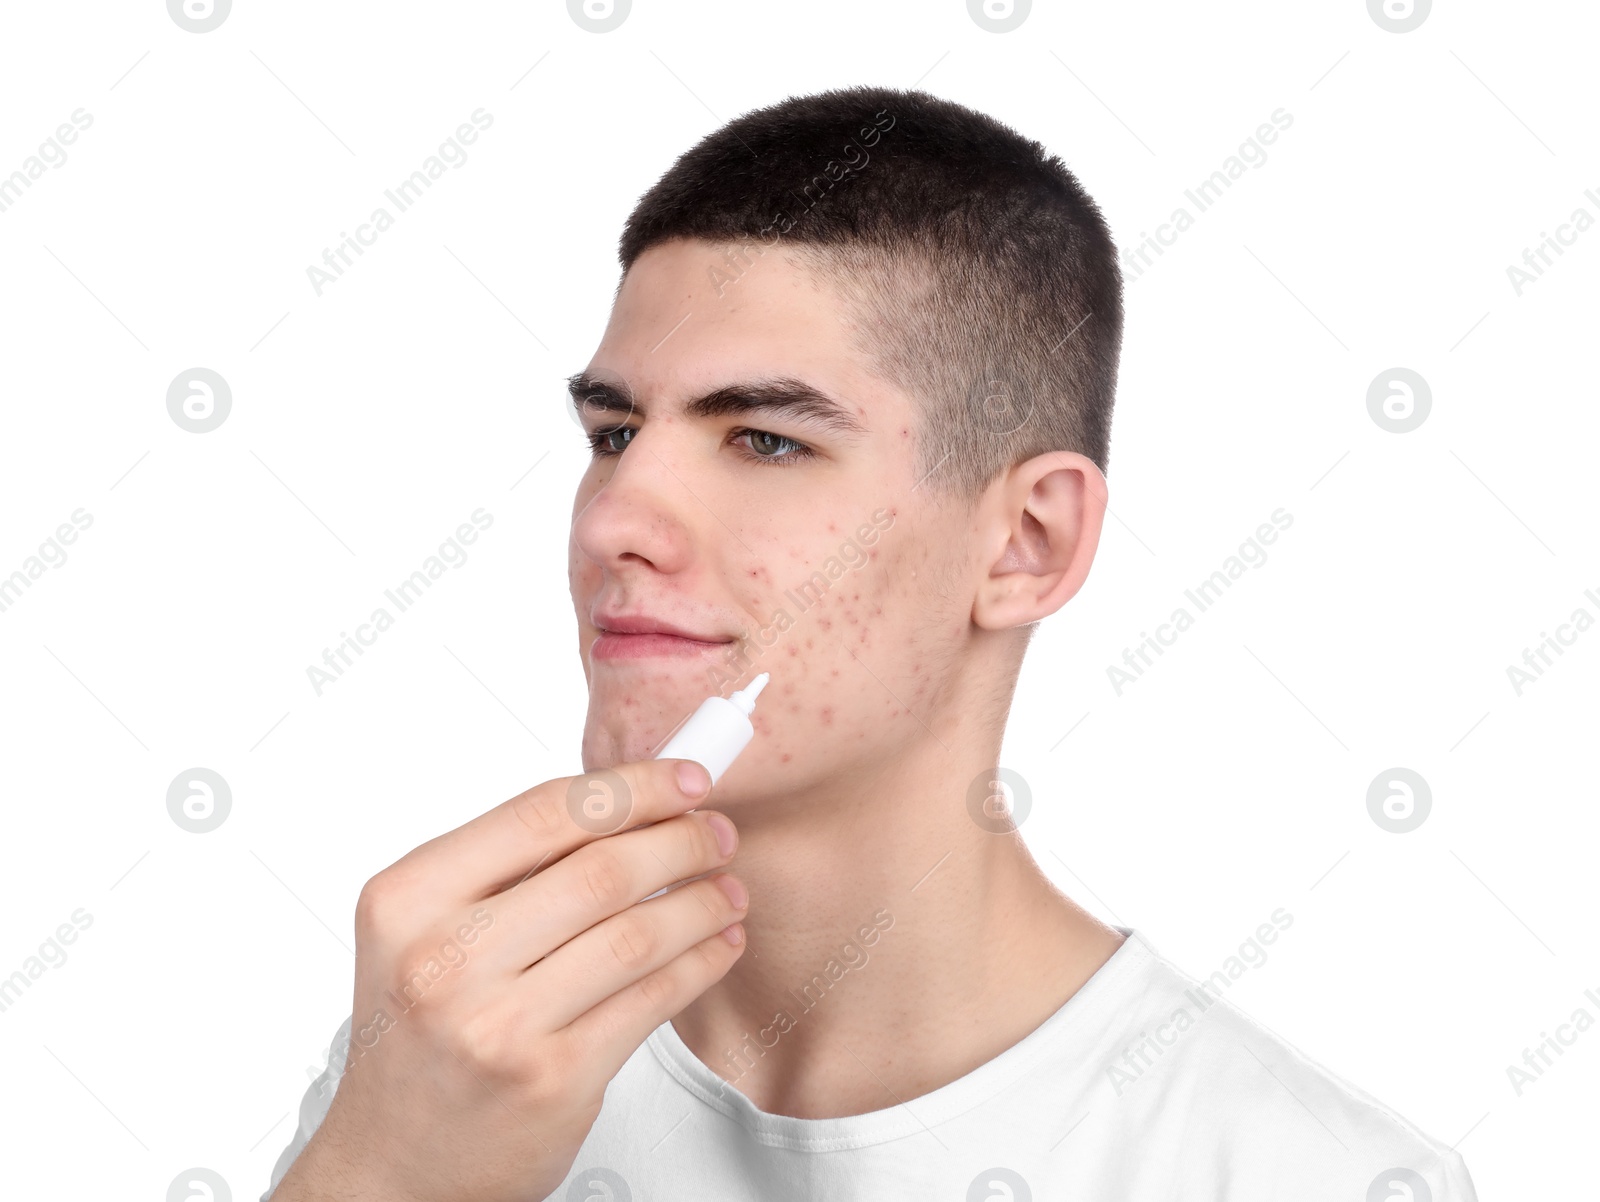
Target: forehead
{"x": 694, "y": 316}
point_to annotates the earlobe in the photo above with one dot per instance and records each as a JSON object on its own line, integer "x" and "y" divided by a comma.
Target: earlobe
{"x": 1045, "y": 517}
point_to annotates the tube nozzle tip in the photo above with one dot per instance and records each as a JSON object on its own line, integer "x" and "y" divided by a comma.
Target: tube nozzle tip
{"x": 745, "y": 698}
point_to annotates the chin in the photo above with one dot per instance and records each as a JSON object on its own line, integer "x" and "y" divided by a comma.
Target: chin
{"x": 612, "y": 739}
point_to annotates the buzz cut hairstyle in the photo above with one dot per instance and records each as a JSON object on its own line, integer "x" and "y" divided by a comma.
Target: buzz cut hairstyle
{"x": 978, "y": 275}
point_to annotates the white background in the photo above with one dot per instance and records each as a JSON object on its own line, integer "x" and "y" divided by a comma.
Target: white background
{"x": 369, "y": 422}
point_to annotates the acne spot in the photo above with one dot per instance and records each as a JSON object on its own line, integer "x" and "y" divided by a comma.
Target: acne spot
{"x": 827, "y": 715}
{"x": 825, "y": 623}
{"x": 785, "y": 758}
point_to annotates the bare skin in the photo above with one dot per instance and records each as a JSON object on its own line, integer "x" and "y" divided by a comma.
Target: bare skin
{"x": 889, "y": 690}
{"x": 481, "y": 1082}
{"x": 861, "y": 802}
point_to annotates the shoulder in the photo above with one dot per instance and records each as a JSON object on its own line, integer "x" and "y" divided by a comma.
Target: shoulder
{"x": 1249, "y": 1109}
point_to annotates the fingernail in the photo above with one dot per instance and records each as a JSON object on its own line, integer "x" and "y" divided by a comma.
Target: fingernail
{"x": 735, "y": 891}
{"x": 734, "y": 934}
{"x": 693, "y": 779}
{"x": 727, "y": 837}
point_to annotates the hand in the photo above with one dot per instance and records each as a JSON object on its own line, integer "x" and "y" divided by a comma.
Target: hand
{"x": 505, "y": 971}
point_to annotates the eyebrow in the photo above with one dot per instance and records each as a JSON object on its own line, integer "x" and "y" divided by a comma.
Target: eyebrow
{"x": 783, "y": 396}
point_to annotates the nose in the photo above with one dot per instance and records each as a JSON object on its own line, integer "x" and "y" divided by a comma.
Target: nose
{"x": 637, "y": 514}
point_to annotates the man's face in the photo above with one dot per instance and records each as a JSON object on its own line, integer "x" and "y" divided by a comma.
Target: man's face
{"x": 833, "y": 570}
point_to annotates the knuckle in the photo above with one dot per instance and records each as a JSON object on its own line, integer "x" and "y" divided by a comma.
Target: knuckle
{"x": 495, "y": 1045}
{"x": 708, "y": 960}
{"x": 605, "y": 878}
{"x": 421, "y": 985}
{"x": 634, "y": 941}
{"x": 376, "y": 904}
{"x": 546, "y": 1082}
{"x": 483, "y": 1043}
{"x": 714, "y": 956}
{"x": 385, "y": 906}
{"x": 541, "y": 812}
{"x": 659, "y": 990}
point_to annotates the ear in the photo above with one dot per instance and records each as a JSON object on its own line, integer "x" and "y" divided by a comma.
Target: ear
{"x": 1038, "y": 529}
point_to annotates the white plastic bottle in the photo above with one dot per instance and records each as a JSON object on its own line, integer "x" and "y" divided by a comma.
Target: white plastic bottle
{"x": 714, "y": 736}
{"x": 718, "y": 731}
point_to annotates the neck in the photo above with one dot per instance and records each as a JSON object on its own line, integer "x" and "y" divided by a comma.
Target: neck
{"x": 895, "y": 943}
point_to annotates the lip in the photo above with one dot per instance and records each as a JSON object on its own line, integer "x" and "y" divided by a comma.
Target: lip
{"x": 637, "y": 636}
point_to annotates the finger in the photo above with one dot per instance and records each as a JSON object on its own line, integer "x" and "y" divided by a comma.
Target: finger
{"x": 538, "y": 828}
{"x": 610, "y": 1032}
{"x": 599, "y": 880}
{"x": 625, "y": 948}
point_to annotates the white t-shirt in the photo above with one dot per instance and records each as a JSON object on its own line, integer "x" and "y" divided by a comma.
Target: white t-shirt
{"x": 1144, "y": 1086}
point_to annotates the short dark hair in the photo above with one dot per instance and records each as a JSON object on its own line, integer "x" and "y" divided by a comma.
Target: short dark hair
{"x": 983, "y": 278}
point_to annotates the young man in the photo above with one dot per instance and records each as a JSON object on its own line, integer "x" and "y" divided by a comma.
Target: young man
{"x": 849, "y": 421}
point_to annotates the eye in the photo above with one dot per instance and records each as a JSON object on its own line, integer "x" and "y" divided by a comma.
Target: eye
{"x": 603, "y": 443}
{"x": 763, "y": 445}
{"x": 773, "y": 448}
